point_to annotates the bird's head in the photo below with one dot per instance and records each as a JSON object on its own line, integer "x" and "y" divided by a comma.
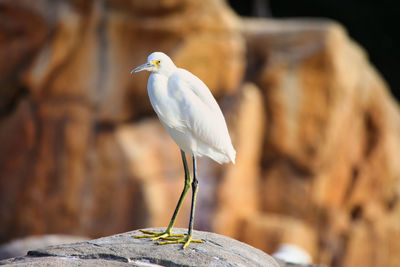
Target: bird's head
{"x": 157, "y": 62}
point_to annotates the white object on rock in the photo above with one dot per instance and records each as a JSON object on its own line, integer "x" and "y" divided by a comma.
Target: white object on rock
{"x": 292, "y": 253}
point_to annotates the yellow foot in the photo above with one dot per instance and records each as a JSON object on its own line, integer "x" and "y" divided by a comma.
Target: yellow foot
{"x": 185, "y": 241}
{"x": 155, "y": 236}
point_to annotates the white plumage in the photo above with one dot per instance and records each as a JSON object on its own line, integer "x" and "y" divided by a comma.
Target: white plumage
{"x": 188, "y": 110}
{"x": 192, "y": 117}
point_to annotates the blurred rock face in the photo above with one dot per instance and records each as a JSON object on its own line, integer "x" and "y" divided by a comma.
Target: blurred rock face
{"x": 317, "y": 133}
{"x": 65, "y": 166}
{"x": 330, "y": 146}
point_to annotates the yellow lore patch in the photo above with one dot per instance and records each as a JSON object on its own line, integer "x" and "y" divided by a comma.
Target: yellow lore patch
{"x": 155, "y": 62}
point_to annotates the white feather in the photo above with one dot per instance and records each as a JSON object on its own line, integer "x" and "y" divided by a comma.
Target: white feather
{"x": 188, "y": 111}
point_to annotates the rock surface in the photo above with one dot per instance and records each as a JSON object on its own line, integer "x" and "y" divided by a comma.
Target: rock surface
{"x": 20, "y": 247}
{"x": 67, "y": 93}
{"x": 329, "y": 158}
{"x": 125, "y": 250}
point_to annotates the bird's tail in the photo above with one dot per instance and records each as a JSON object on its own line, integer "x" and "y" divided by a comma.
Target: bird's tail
{"x": 232, "y": 155}
{"x": 226, "y": 157}
{"x": 219, "y": 156}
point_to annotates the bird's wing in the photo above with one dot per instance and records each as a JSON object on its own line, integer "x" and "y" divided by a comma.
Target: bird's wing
{"x": 199, "y": 110}
{"x": 184, "y": 78}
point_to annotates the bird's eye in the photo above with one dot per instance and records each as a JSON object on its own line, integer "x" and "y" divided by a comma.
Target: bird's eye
{"x": 158, "y": 61}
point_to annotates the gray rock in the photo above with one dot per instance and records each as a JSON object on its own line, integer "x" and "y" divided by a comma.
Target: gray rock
{"x": 125, "y": 250}
{"x": 289, "y": 264}
{"x": 19, "y": 247}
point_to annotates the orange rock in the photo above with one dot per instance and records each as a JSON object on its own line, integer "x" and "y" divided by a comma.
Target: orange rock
{"x": 64, "y": 164}
{"x": 237, "y": 191}
{"x": 268, "y": 231}
{"x": 22, "y": 34}
{"x": 154, "y": 160}
{"x": 332, "y": 130}
{"x": 91, "y": 53}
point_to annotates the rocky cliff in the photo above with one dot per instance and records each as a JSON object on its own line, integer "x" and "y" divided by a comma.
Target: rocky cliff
{"x": 316, "y": 131}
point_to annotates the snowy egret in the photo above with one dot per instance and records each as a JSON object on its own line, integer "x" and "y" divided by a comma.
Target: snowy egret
{"x": 192, "y": 117}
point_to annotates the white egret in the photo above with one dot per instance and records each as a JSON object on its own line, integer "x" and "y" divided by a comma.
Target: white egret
{"x": 192, "y": 117}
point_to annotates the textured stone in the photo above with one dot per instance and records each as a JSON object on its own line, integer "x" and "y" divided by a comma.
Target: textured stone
{"x": 67, "y": 91}
{"x": 20, "y": 247}
{"x": 329, "y": 147}
{"x": 125, "y": 250}
{"x": 154, "y": 160}
{"x": 268, "y": 231}
{"x": 22, "y": 33}
{"x": 240, "y": 182}
{"x": 96, "y": 44}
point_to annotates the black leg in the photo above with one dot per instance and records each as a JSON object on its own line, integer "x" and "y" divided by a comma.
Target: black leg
{"x": 194, "y": 195}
